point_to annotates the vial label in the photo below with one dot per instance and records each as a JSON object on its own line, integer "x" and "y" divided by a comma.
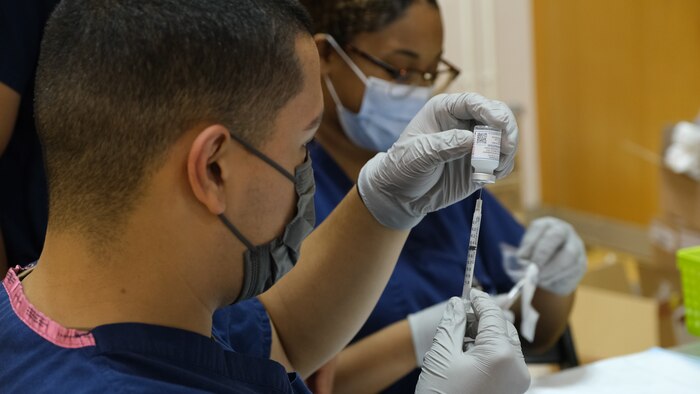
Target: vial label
{"x": 487, "y": 144}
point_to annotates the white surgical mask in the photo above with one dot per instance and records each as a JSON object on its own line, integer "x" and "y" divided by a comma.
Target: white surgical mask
{"x": 386, "y": 108}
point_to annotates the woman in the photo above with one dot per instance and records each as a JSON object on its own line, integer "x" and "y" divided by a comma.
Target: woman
{"x": 381, "y": 60}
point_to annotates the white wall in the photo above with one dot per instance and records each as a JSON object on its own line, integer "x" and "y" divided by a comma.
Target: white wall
{"x": 492, "y": 42}
{"x": 470, "y": 43}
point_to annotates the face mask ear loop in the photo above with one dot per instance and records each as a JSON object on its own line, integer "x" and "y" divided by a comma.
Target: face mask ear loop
{"x": 343, "y": 55}
{"x": 331, "y": 90}
{"x": 235, "y": 232}
{"x": 264, "y": 158}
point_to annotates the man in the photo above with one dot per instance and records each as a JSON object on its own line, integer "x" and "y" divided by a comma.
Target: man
{"x": 179, "y": 183}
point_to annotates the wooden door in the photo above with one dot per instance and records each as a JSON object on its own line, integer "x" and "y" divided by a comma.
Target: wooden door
{"x": 611, "y": 74}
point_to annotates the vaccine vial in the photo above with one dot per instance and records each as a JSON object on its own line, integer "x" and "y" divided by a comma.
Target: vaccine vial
{"x": 486, "y": 153}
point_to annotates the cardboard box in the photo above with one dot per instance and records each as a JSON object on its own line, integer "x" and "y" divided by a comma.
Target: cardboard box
{"x": 667, "y": 235}
{"x": 613, "y": 316}
{"x": 661, "y": 283}
{"x": 679, "y": 195}
{"x": 679, "y": 198}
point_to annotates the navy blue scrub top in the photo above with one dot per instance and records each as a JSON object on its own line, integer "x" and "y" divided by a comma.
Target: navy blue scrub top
{"x": 23, "y": 190}
{"x": 39, "y": 356}
{"x": 431, "y": 265}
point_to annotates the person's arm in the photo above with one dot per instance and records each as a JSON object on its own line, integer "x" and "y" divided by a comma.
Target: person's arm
{"x": 554, "y": 316}
{"x": 4, "y": 264}
{"x": 559, "y": 254}
{"x": 277, "y": 352}
{"x": 345, "y": 264}
{"x": 9, "y": 106}
{"x": 377, "y": 361}
{"x": 321, "y": 382}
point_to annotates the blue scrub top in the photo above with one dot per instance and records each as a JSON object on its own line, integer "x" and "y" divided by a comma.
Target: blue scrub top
{"x": 39, "y": 356}
{"x": 431, "y": 266}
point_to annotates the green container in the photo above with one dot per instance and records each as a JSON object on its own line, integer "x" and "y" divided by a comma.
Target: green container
{"x": 689, "y": 264}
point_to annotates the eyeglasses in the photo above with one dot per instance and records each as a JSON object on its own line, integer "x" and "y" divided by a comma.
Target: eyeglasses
{"x": 439, "y": 79}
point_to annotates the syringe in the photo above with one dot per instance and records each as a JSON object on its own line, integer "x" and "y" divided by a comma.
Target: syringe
{"x": 469, "y": 272}
{"x": 471, "y": 254}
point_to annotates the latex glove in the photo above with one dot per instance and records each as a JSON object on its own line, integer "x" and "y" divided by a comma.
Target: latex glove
{"x": 494, "y": 364}
{"x": 429, "y": 167}
{"x": 556, "y": 249}
{"x": 423, "y": 327}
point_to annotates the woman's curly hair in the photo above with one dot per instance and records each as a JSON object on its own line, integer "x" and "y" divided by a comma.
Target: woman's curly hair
{"x": 344, "y": 19}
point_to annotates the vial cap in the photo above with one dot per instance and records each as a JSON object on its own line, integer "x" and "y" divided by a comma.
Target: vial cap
{"x": 483, "y": 178}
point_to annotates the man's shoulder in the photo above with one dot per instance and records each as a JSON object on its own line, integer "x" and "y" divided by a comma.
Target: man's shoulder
{"x": 38, "y": 356}
{"x": 30, "y": 366}
{"x": 49, "y": 368}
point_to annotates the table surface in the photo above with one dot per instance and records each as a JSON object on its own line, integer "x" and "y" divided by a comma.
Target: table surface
{"x": 653, "y": 371}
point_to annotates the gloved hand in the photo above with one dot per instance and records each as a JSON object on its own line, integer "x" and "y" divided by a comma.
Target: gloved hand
{"x": 556, "y": 249}
{"x": 423, "y": 327}
{"x": 429, "y": 167}
{"x": 494, "y": 364}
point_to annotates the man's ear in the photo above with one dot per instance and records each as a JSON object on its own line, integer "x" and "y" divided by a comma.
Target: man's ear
{"x": 205, "y": 172}
{"x": 324, "y": 52}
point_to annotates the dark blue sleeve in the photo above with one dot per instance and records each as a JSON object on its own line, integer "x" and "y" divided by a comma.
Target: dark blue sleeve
{"x": 498, "y": 227}
{"x": 21, "y": 27}
{"x": 331, "y": 183}
{"x": 245, "y": 327}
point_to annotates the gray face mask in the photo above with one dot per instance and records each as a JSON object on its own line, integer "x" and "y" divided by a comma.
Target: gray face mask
{"x": 265, "y": 264}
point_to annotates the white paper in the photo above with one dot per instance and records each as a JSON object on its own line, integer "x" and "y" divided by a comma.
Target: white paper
{"x": 528, "y": 315}
{"x": 653, "y": 371}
